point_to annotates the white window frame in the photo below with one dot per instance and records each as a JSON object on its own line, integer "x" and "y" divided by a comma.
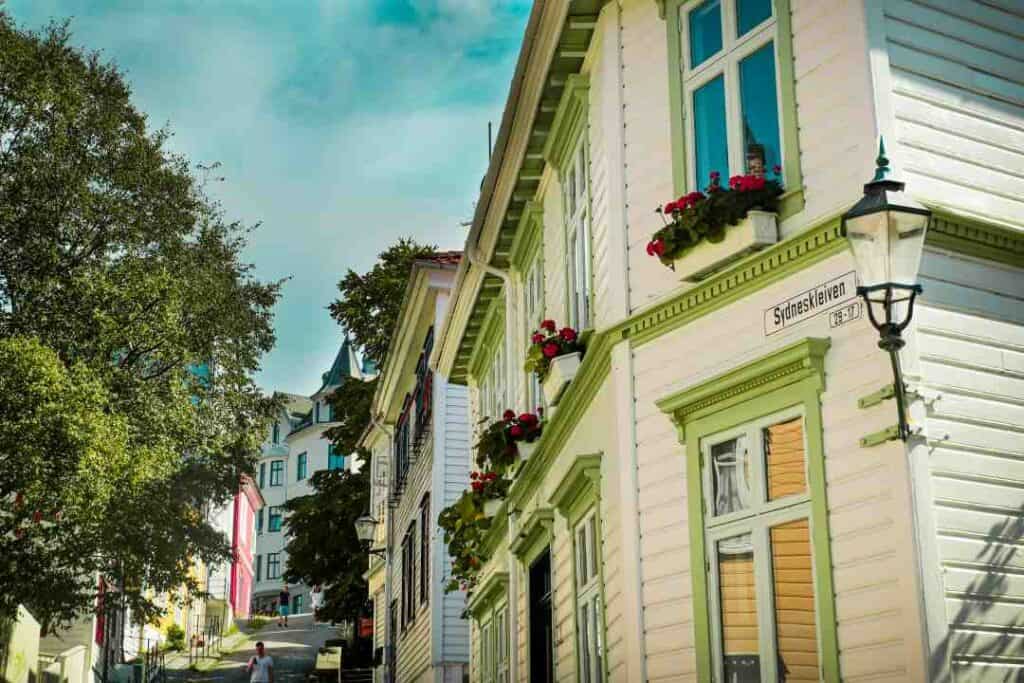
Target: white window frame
{"x": 486, "y": 656}
{"x": 726, "y": 61}
{"x": 757, "y": 519}
{"x": 502, "y": 655}
{"x": 533, "y": 311}
{"x": 491, "y": 390}
{"x": 589, "y": 610}
{"x": 575, "y": 180}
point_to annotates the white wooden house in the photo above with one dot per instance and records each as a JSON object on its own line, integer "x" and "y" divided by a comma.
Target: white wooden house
{"x": 419, "y": 464}
{"x": 750, "y": 517}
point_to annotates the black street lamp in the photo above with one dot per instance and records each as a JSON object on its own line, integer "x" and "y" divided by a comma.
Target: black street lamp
{"x": 366, "y": 530}
{"x": 886, "y": 230}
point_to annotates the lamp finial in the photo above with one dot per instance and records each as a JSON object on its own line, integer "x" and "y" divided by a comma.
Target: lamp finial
{"x": 881, "y": 162}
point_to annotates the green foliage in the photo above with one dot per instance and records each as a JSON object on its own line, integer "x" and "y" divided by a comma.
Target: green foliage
{"x": 496, "y": 449}
{"x": 370, "y": 303}
{"x": 351, "y": 403}
{"x": 113, "y": 259}
{"x": 697, "y": 216}
{"x": 322, "y": 544}
{"x": 465, "y": 526}
{"x": 175, "y": 637}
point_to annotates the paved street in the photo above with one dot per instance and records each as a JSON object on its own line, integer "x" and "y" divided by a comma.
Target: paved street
{"x": 293, "y": 649}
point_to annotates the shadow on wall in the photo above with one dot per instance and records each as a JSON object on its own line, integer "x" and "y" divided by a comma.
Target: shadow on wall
{"x": 988, "y": 627}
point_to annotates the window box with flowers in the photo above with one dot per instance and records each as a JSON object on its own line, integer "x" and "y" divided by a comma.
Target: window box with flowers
{"x": 705, "y": 231}
{"x": 554, "y": 356}
{"x": 507, "y": 442}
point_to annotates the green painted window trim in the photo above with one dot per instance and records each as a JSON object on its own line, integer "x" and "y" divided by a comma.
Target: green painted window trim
{"x": 792, "y": 202}
{"x": 579, "y": 488}
{"x": 792, "y": 376}
{"x": 535, "y": 534}
{"x": 570, "y": 120}
{"x": 529, "y": 236}
{"x": 492, "y": 333}
{"x": 489, "y": 595}
{"x": 576, "y": 494}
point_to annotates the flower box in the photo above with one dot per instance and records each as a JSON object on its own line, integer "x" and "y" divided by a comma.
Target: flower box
{"x": 491, "y": 506}
{"x": 756, "y": 231}
{"x": 560, "y": 373}
{"x": 525, "y": 450}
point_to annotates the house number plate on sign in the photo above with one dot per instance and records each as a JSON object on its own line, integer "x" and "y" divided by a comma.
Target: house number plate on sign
{"x": 844, "y": 314}
{"x": 838, "y": 297}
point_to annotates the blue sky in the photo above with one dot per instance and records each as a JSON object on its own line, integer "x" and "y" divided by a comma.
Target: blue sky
{"x": 340, "y": 125}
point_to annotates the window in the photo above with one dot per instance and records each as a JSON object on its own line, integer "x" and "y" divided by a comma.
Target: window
{"x": 316, "y": 408}
{"x": 589, "y": 627}
{"x": 492, "y": 396}
{"x": 259, "y": 567}
{"x": 259, "y": 521}
{"x": 300, "y": 467}
{"x": 409, "y": 576}
{"x": 501, "y": 650}
{"x": 277, "y": 473}
{"x": 486, "y": 653}
{"x": 276, "y": 436}
{"x": 263, "y": 474}
{"x": 273, "y": 566}
{"x": 425, "y": 526}
{"x": 402, "y": 443}
{"x": 274, "y": 519}
{"x": 730, "y": 87}
{"x": 758, "y": 536}
{"x": 576, "y": 209}
{"x": 424, "y": 387}
{"x": 334, "y": 460}
{"x": 533, "y": 307}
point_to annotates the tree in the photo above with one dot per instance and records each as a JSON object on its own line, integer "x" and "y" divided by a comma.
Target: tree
{"x": 122, "y": 281}
{"x": 322, "y": 544}
{"x": 351, "y": 404}
{"x": 370, "y": 303}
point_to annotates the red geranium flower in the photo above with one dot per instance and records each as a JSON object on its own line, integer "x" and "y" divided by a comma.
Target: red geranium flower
{"x": 650, "y": 248}
{"x": 548, "y": 325}
{"x": 509, "y": 416}
{"x": 474, "y": 475}
{"x": 528, "y": 419}
{"x": 37, "y": 516}
{"x": 567, "y": 333}
{"x": 735, "y": 182}
{"x": 516, "y": 431}
{"x": 537, "y": 338}
{"x": 656, "y": 247}
{"x": 550, "y": 350}
{"x": 671, "y": 207}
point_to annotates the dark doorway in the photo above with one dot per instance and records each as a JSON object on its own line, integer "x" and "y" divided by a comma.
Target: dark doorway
{"x": 542, "y": 664}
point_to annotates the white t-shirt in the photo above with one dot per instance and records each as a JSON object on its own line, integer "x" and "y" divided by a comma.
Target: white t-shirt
{"x": 261, "y": 667}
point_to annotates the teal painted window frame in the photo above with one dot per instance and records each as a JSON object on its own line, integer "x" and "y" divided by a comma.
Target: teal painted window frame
{"x": 275, "y": 519}
{"x": 277, "y": 473}
{"x": 273, "y": 566}
{"x": 301, "y": 466}
{"x": 259, "y": 567}
{"x": 793, "y": 200}
{"x": 334, "y": 461}
{"x": 263, "y": 474}
{"x": 259, "y": 521}
{"x": 790, "y": 378}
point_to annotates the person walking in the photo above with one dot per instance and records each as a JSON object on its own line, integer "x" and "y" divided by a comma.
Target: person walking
{"x": 261, "y": 666}
{"x": 283, "y": 602}
{"x": 316, "y": 600}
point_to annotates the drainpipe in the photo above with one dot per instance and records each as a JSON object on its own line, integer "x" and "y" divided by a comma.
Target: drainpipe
{"x": 388, "y": 563}
{"x": 506, "y": 284}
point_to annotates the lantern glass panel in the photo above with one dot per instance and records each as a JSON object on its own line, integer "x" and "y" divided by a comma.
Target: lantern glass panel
{"x": 906, "y": 242}
{"x": 869, "y": 237}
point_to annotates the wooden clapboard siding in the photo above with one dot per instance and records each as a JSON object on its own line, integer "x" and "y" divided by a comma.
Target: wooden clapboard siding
{"x": 414, "y": 643}
{"x": 957, "y": 72}
{"x": 648, "y": 145}
{"x": 970, "y": 345}
{"x": 836, "y": 124}
{"x": 872, "y": 540}
{"x": 456, "y": 463}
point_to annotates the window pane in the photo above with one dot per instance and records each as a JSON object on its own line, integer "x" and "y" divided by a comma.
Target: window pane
{"x": 750, "y": 13}
{"x": 581, "y": 555}
{"x": 705, "y": 31}
{"x": 730, "y": 476}
{"x": 595, "y": 617}
{"x": 711, "y": 146}
{"x": 793, "y": 585}
{"x": 738, "y": 605}
{"x": 784, "y": 458}
{"x": 584, "y": 627}
{"x": 592, "y": 534}
{"x": 760, "y": 110}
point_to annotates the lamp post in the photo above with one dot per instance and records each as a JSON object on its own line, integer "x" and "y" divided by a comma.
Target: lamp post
{"x": 366, "y": 530}
{"x": 886, "y": 230}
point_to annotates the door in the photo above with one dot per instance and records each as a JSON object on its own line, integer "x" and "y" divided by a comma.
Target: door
{"x": 542, "y": 664}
